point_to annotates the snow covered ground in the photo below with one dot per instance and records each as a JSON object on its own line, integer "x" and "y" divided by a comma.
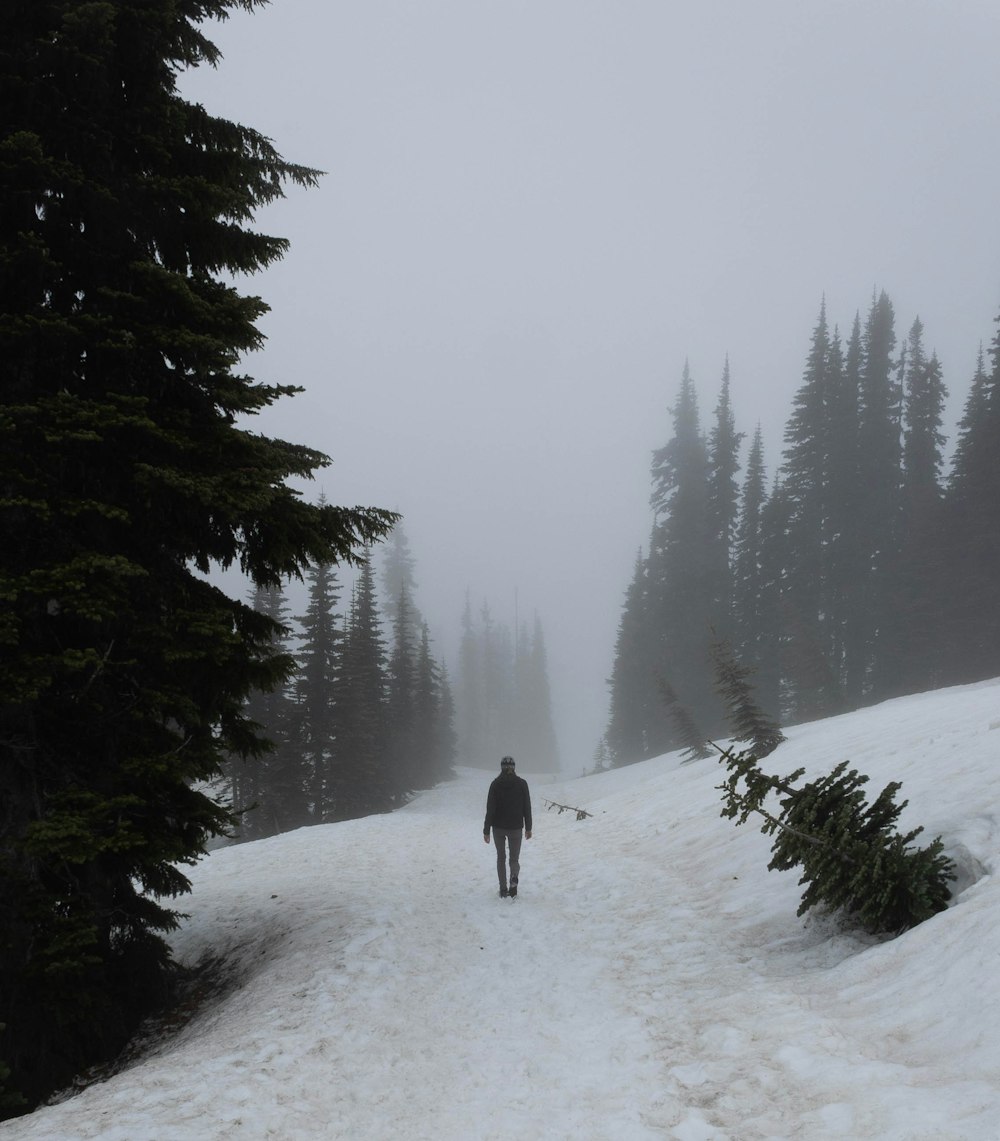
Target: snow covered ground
{"x": 651, "y": 980}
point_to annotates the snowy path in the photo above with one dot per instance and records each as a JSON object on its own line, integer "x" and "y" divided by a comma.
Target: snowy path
{"x": 651, "y": 981}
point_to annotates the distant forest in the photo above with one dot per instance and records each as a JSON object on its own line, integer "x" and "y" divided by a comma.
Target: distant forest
{"x": 366, "y": 714}
{"x": 862, "y": 572}
{"x": 504, "y": 700}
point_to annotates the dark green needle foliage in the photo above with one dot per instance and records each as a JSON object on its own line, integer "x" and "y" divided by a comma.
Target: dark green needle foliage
{"x": 691, "y": 738}
{"x": 852, "y": 858}
{"x": 747, "y": 720}
{"x": 126, "y": 468}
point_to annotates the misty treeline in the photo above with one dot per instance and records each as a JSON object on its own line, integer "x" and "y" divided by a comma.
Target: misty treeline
{"x": 504, "y": 700}
{"x": 364, "y": 716}
{"x": 861, "y": 571}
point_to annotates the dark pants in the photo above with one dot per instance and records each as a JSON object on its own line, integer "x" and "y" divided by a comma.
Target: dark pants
{"x": 501, "y": 837}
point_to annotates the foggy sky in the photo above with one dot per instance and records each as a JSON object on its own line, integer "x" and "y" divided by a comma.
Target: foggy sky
{"x": 536, "y": 210}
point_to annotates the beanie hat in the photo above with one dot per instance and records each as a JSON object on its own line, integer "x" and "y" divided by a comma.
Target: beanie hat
{"x": 507, "y": 764}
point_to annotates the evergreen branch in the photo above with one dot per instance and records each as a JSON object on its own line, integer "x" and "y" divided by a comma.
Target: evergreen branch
{"x": 775, "y": 823}
{"x": 580, "y": 813}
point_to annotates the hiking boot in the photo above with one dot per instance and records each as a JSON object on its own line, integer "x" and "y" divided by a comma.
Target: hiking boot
{"x": 503, "y": 892}
{"x": 513, "y": 888}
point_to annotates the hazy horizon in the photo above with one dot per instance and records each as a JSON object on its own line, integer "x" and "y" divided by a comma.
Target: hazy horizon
{"x": 534, "y": 214}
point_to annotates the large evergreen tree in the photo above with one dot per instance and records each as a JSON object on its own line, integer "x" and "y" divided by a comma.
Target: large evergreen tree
{"x": 723, "y": 502}
{"x": 401, "y": 701}
{"x": 844, "y": 564}
{"x": 748, "y": 631}
{"x": 811, "y": 675}
{"x": 878, "y": 522}
{"x": 361, "y": 782}
{"x": 471, "y": 697}
{"x": 125, "y": 477}
{"x": 683, "y": 558}
{"x": 267, "y": 786}
{"x": 316, "y": 712}
{"x": 971, "y": 534}
{"x": 635, "y": 704}
{"x": 915, "y": 617}
{"x": 398, "y": 575}
{"x": 432, "y": 740}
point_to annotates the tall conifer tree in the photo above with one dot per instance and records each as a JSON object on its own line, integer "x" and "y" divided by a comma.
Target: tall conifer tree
{"x": 319, "y": 656}
{"x": 398, "y": 574}
{"x": 471, "y": 704}
{"x": 682, "y": 561}
{"x": 972, "y": 533}
{"x": 361, "y": 780}
{"x": 914, "y": 618}
{"x": 267, "y": 786}
{"x": 124, "y": 217}
{"x": 636, "y": 717}
{"x": 850, "y": 564}
{"x": 748, "y": 629}
{"x": 879, "y": 460}
{"x": 401, "y": 702}
{"x": 723, "y": 500}
{"x": 811, "y": 675}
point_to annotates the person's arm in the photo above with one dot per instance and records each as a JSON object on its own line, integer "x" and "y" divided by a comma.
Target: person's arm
{"x": 527, "y": 811}
{"x": 490, "y": 809}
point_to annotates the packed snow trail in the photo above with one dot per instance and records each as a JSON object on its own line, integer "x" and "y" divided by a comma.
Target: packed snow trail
{"x": 651, "y": 980}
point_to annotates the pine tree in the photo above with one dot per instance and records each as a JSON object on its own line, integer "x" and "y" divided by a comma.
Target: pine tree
{"x": 845, "y": 571}
{"x": 748, "y": 721}
{"x": 401, "y": 702}
{"x": 748, "y": 631}
{"x": 636, "y": 716}
{"x": 267, "y": 786}
{"x": 971, "y": 534}
{"x": 446, "y": 743}
{"x": 811, "y": 678}
{"x": 361, "y": 782}
{"x": 852, "y": 858}
{"x": 879, "y": 455}
{"x": 723, "y": 501}
{"x": 126, "y": 475}
{"x": 471, "y": 704}
{"x": 914, "y": 618}
{"x": 967, "y": 460}
{"x": 432, "y": 741}
{"x": 398, "y": 574}
{"x": 772, "y": 643}
{"x": 689, "y": 734}
{"x": 320, "y": 658}
{"x": 682, "y": 583}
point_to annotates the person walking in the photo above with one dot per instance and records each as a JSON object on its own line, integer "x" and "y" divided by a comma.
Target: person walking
{"x": 508, "y": 809}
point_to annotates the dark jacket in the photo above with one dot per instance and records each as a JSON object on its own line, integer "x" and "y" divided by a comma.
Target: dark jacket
{"x": 508, "y": 804}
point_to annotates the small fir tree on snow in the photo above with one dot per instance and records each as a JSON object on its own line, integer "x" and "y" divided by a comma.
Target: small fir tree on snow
{"x": 748, "y": 721}
{"x": 852, "y": 858}
{"x": 695, "y": 747}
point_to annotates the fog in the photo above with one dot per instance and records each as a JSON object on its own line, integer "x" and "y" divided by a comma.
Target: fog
{"x": 535, "y": 212}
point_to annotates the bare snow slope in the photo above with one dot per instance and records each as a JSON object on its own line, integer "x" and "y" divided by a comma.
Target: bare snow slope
{"x": 651, "y": 981}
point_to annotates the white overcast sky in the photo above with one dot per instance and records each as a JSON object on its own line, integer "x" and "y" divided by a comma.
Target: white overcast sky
{"x": 535, "y": 210}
